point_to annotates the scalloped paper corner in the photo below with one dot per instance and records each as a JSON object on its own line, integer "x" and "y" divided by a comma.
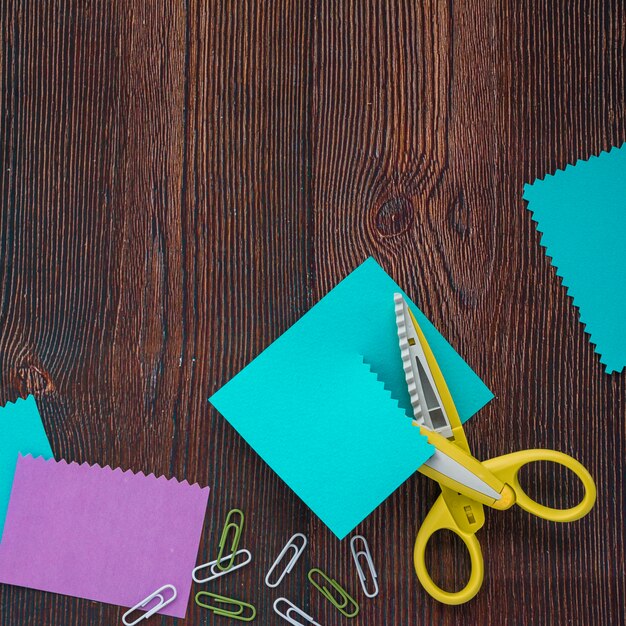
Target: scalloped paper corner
{"x": 100, "y": 533}
{"x": 580, "y": 212}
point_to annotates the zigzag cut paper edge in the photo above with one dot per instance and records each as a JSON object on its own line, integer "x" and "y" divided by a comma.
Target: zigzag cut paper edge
{"x": 62, "y": 464}
{"x": 370, "y": 366}
{"x": 570, "y": 166}
{"x": 19, "y": 400}
{"x": 569, "y": 290}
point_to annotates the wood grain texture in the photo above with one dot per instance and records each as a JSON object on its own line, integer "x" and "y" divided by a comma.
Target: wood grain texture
{"x": 182, "y": 180}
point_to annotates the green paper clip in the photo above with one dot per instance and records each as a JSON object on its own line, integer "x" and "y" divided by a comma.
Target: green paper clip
{"x": 228, "y": 563}
{"x": 346, "y": 598}
{"x": 235, "y": 613}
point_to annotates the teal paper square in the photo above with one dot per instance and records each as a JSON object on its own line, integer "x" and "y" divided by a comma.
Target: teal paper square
{"x": 326, "y": 404}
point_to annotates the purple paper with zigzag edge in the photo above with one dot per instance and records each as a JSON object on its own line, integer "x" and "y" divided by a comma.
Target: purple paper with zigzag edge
{"x": 102, "y": 534}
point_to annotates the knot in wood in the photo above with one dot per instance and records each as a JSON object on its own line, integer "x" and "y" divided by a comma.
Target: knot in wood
{"x": 394, "y": 217}
{"x": 34, "y": 380}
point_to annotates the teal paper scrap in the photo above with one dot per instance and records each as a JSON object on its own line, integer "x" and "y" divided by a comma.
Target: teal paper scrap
{"x": 21, "y": 431}
{"x": 581, "y": 213}
{"x": 326, "y": 405}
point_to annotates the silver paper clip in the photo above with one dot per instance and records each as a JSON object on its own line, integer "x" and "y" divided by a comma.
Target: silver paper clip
{"x": 211, "y": 565}
{"x": 356, "y": 554}
{"x": 161, "y": 604}
{"x": 298, "y": 552}
{"x": 292, "y": 608}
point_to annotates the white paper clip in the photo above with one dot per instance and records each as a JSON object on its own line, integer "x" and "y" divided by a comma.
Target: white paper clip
{"x": 298, "y": 551}
{"x": 217, "y": 573}
{"x": 155, "y": 609}
{"x": 292, "y": 608}
{"x": 356, "y": 554}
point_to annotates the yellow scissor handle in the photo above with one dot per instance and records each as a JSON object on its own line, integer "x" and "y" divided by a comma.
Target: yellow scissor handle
{"x": 440, "y": 518}
{"x": 506, "y": 468}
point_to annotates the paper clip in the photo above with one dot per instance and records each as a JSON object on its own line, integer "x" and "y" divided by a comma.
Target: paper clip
{"x": 235, "y": 544}
{"x": 298, "y": 551}
{"x": 356, "y": 554}
{"x": 211, "y": 565}
{"x": 155, "y": 609}
{"x": 346, "y": 598}
{"x": 236, "y": 613}
{"x": 293, "y": 608}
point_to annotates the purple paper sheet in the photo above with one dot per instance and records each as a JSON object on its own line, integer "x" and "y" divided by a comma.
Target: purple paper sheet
{"x": 102, "y": 534}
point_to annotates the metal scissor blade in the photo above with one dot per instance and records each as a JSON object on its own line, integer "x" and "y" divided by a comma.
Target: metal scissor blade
{"x": 428, "y": 408}
{"x": 452, "y": 469}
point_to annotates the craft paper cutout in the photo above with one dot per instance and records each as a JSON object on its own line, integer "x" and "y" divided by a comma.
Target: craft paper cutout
{"x": 107, "y": 535}
{"x": 334, "y": 431}
{"x": 21, "y": 430}
{"x": 581, "y": 212}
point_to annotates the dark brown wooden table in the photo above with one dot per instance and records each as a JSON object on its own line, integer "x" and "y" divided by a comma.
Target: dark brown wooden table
{"x": 181, "y": 181}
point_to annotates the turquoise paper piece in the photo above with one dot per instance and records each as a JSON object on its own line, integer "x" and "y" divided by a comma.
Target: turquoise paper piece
{"x": 581, "y": 212}
{"x": 21, "y": 430}
{"x": 313, "y": 408}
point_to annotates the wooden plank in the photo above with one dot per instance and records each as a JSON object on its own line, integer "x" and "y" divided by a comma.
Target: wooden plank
{"x": 182, "y": 180}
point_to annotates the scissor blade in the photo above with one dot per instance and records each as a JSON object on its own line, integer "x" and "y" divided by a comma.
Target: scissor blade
{"x": 428, "y": 408}
{"x": 451, "y": 468}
